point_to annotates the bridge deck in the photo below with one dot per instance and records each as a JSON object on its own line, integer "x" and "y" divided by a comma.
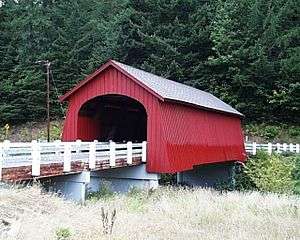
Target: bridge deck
{"x": 25, "y": 161}
{"x": 57, "y": 169}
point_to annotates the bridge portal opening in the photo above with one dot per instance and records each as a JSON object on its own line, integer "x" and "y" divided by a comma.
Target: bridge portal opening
{"x": 112, "y": 117}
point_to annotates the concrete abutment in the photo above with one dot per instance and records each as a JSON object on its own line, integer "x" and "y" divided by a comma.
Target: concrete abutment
{"x": 77, "y": 186}
{"x": 208, "y": 175}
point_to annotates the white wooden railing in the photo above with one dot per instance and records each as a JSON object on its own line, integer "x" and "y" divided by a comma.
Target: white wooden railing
{"x": 253, "y": 147}
{"x": 37, "y": 153}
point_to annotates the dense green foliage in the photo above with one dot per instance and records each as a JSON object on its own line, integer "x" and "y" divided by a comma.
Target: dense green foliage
{"x": 275, "y": 173}
{"x": 296, "y": 174}
{"x": 273, "y": 133}
{"x": 245, "y": 52}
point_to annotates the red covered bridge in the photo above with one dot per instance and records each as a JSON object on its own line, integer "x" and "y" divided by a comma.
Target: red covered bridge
{"x": 183, "y": 126}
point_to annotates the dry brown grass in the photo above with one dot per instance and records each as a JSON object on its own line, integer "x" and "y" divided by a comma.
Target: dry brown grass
{"x": 165, "y": 214}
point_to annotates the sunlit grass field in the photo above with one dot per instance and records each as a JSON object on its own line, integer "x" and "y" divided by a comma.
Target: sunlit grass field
{"x": 166, "y": 213}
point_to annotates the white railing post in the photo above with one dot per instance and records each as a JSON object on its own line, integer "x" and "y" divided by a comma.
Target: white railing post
{"x": 1, "y": 160}
{"x": 112, "y": 153}
{"x": 291, "y": 147}
{"x": 297, "y": 148}
{"x": 78, "y": 144}
{"x": 254, "y": 148}
{"x": 92, "y": 154}
{"x": 36, "y": 158}
{"x": 144, "y": 151}
{"x": 278, "y": 148}
{"x": 284, "y": 147}
{"x": 67, "y": 157}
{"x": 129, "y": 152}
{"x": 5, "y": 146}
{"x": 270, "y": 145}
{"x": 57, "y": 147}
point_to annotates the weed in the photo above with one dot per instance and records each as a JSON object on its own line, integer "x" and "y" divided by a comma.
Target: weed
{"x": 107, "y": 223}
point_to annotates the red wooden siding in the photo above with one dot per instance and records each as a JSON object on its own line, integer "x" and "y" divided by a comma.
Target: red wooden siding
{"x": 178, "y": 136}
{"x": 193, "y": 136}
{"x": 88, "y": 128}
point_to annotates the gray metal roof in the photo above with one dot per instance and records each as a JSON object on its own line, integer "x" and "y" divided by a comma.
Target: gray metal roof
{"x": 172, "y": 90}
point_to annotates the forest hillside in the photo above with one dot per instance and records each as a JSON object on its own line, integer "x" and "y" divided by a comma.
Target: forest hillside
{"x": 245, "y": 52}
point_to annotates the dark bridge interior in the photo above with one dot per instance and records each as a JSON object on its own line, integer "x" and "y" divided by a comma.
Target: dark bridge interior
{"x": 112, "y": 117}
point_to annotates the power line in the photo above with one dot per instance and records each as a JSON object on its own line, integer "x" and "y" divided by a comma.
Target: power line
{"x": 47, "y": 64}
{"x": 56, "y": 92}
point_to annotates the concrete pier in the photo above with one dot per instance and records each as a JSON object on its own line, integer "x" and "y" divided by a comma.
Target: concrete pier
{"x": 71, "y": 187}
{"x": 121, "y": 180}
{"x": 207, "y": 175}
{"x": 77, "y": 186}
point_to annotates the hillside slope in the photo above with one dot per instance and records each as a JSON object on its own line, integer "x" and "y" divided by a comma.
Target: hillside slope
{"x": 31, "y": 131}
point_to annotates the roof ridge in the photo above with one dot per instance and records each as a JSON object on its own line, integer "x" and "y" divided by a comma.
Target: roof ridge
{"x": 173, "y": 81}
{"x": 211, "y": 100}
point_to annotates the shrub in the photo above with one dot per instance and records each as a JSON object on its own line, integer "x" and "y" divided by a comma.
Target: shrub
{"x": 104, "y": 192}
{"x": 243, "y": 182}
{"x": 4, "y": 132}
{"x": 135, "y": 191}
{"x": 266, "y": 173}
{"x": 63, "y": 234}
{"x": 271, "y": 132}
{"x": 294, "y": 131}
{"x": 136, "y": 200}
{"x": 296, "y": 174}
{"x": 167, "y": 179}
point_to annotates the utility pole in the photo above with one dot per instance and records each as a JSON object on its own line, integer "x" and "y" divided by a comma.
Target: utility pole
{"x": 47, "y": 63}
{"x": 48, "y": 99}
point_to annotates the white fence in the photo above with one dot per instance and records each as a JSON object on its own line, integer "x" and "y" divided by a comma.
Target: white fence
{"x": 253, "y": 147}
{"x": 36, "y": 153}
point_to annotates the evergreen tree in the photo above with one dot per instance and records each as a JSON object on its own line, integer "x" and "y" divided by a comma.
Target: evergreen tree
{"x": 169, "y": 38}
{"x": 247, "y": 60}
{"x": 245, "y": 52}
